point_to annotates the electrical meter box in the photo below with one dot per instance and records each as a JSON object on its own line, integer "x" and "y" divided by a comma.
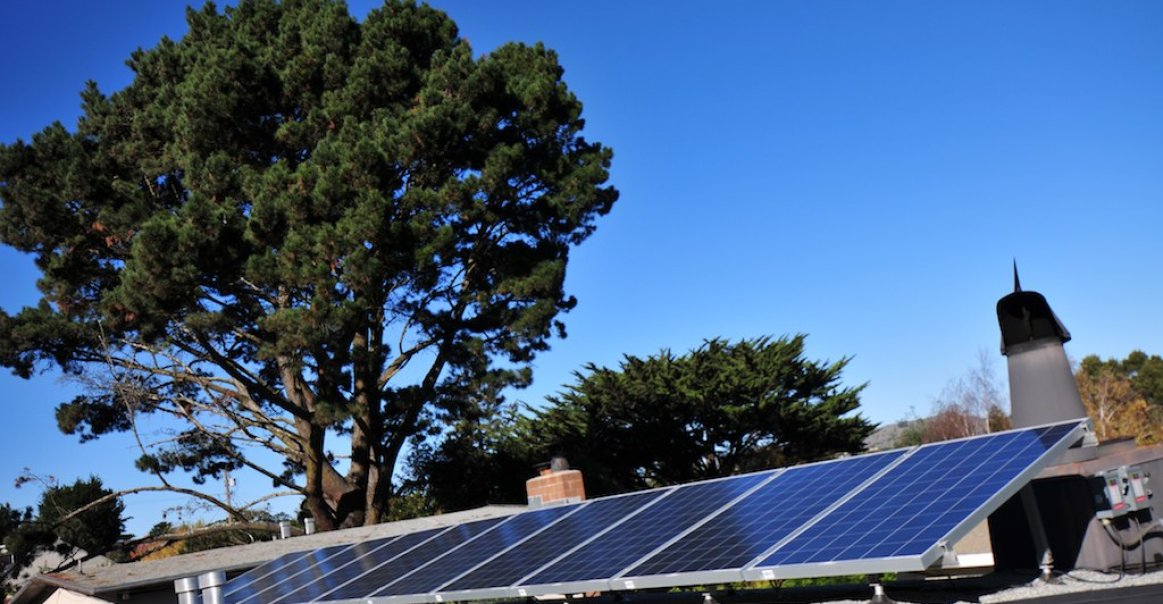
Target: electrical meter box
{"x": 1121, "y": 491}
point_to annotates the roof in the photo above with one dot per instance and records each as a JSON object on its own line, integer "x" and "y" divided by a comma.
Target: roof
{"x": 137, "y": 575}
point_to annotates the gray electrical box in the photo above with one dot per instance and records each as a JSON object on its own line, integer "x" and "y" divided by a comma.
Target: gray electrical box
{"x": 1121, "y": 491}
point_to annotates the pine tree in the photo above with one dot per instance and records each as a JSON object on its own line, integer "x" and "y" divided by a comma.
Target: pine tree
{"x": 720, "y": 409}
{"x": 292, "y": 226}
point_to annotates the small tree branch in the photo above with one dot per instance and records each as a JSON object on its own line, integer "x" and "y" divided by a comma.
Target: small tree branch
{"x": 270, "y": 496}
{"x": 233, "y": 512}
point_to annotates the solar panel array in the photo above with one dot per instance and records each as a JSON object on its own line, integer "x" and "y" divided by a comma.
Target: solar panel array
{"x": 881, "y": 512}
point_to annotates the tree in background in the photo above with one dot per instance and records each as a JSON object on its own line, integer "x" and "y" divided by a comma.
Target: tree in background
{"x": 971, "y": 404}
{"x": 721, "y": 409}
{"x": 483, "y": 459}
{"x": 58, "y": 527}
{"x": 95, "y": 530}
{"x": 911, "y": 431}
{"x": 1123, "y": 398}
{"x": 14, "y": 525}
{"x": 1142, "y": 370}
{"x": 294, "y": 226}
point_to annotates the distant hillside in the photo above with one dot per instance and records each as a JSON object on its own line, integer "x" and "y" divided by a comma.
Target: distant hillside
{"x": 886, "y": 436}
{"x": 941, "y": 427}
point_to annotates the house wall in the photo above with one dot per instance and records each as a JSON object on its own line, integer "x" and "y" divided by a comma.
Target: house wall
{"x": 1066, "y": 503}
{"x": 152, "y": 595}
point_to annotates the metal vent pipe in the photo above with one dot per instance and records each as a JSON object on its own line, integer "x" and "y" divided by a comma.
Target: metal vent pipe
{"x": 211, "y": 585}
{"x": 187, "y": 590}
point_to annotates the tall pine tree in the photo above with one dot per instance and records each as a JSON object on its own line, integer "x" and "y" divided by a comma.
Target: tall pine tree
{"x": 302, "y": 233}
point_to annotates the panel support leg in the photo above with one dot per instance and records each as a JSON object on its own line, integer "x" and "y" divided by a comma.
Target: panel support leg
{"x": 1038, "y": 533}
{"x": 878, "y": 595}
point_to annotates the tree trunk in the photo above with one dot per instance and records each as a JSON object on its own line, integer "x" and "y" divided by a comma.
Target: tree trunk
{"x": 315, "y": 467}
{"x": 345, "y": 498}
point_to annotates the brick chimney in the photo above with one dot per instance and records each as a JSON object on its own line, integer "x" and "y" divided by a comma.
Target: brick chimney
{"x": 556, "y": 484}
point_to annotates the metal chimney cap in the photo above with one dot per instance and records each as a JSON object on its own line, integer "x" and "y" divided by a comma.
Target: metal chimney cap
{"x": 213, "y": 578}
{"x": 557, "y": 464}
{"x": 1025, "y": 316}
{"x": 186, "y": 585}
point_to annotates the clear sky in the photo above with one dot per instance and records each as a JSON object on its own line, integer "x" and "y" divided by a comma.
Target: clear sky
{"x": 863, "y": 172}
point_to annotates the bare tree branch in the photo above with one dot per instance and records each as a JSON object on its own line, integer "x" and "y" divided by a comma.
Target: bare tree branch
{"x": 233, "y": 512}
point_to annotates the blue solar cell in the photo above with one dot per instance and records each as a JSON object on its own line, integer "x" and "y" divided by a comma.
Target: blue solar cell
{"x": 436, "y": 565}
{"x": 642, "y": 533}
{"x": 316, "y": 572}
{"x": 511, "y": 566}
{"x": 747, "y": 529}
{"x": 284, "y": 574}
{"x": 242, "y": 583}
{"x": 353, "y": 566}
{"x": 385, "y": 569}
{"x": 917, "y": 503}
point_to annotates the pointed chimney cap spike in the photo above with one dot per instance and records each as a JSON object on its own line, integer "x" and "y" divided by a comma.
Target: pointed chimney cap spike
{"x": 1017, "y": 284}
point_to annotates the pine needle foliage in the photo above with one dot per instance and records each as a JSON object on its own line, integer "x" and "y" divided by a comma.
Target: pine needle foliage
{"x": 302, "y": 233}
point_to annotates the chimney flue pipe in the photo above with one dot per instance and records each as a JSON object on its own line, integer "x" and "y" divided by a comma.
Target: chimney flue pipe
{"x": 1042, "y": 388}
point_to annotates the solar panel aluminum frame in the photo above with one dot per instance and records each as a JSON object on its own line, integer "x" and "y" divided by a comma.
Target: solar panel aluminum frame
{"x": 522, "y": 589}
{"x": 512, "y": 590}
{"x": 935, "y": 553}
{"x": 621, "y": 582}
{"x": 346, "y": 601}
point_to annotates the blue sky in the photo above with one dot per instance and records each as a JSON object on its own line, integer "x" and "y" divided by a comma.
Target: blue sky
{"x": 860, "y": 172}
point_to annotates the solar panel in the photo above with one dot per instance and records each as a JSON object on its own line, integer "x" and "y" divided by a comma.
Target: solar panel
{"x": 284, "y": 573}
{"x": 241, "y": 584}
{"x": 510, "y": 566}
{"x": 317, "y": 571}
{"x": 385, "y": 569}
{"x": 719, "y": 549}
{"x": 589, "y": 567}
{"x": 934, "y": 496}
{"x": 882, "y": 512}
{"x": 436, "y": 566}
{"x": 356, "y": 566}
